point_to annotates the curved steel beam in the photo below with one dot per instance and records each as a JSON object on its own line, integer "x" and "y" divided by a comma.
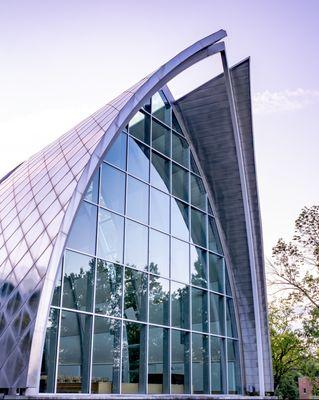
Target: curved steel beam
{"x": 188, "y": 57}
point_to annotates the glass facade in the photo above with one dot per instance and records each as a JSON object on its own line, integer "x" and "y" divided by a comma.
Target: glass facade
{"x": 142, "y": 303}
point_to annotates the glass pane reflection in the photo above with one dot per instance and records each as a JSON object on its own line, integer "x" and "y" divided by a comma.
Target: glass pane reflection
{"x": 216, "y": 273}
{"x": 92, "y": 191}
{"x": 134, "y": 358}
{"x": 199, "y": 267}
{"x": 139, "y": 127}
{"x": 159, "y": 253}
{"x": 110, "y": 241}
{"x": 135, "y": 300}
{"x": 74, "y": 353}
{"x": 106, "y": 356}
{"x": 217, "y": 314}
{"x": 180, "y": 305}
{"x": 116, "y": 154}
{"x": 160, "y": 172}
{"x": 180, "y": 184}
{"x": 198, "y": 227}
{"x": 112, "y": 188}
{"x": 83, "y": 232}
{"x": 198, "y": 192}
{"x": 179, "y": 219}
{"x": 161, "y": 138}
{"x": 136, "y": 248}
{"x": 138, "y": 160}
{"x": 199, "y": 310}
{"x": 233, "y": 367}
{"x": 158, "y": 300}
{"x": 47, "y": 381}
{"x": 180, "y": 261}
{"x": 158, "y": 355}
{"x": 78, "y": 281}
{"x": 217, "y": 352}
{"x": 159, "y": 210}
{"x": 137, "y": 200}
{"x": 200, "y": 363}
{"x": 180, "y": 373}
{"x": 180, "y": 150}
{"x": 108, "y": 296}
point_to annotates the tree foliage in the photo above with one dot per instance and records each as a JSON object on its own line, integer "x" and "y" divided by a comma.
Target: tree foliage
{"x": 295, "y": 270}
{"x": 294, "y": 316}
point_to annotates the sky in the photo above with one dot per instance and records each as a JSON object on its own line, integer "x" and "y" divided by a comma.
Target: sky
{"x": 62, "y": 60}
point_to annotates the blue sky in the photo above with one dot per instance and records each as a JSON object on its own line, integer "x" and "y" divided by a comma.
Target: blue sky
{"x": 62, "y": 60}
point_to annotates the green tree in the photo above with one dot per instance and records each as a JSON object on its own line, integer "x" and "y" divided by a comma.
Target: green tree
{"x": 288, "y": 348}
{"x": 295, "y": 270}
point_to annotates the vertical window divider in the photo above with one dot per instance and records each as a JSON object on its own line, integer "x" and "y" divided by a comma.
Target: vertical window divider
{"x": 59, "y": 327}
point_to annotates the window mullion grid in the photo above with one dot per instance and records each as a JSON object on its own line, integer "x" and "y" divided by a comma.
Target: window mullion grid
{"x": 147, "y": 327}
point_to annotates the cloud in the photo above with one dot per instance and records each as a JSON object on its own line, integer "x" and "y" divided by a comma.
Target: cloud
{"x": 288, "y": 100}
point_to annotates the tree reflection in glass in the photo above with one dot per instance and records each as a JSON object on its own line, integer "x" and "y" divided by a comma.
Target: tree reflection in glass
{"x": 135, "y": 295}
{"x": 108, "y": 296}
{"x": 78, "y": 281}
{"x": 106, "y": 356}
{"x": 180, "y": 305}
{"x": 158, "y": 300}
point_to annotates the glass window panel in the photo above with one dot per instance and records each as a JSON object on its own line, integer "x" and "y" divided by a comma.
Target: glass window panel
{"x": 194, "y": 167}
{"x": 159, "y": 210}
{"x": 180, "y": 372}
{"x": 179, "y": 219}
{"x": 199, "y": 266}
{"x": 234, "y": 385}
{"x": 116, "y": 154}
{"x": 140, "y": 127}
{"x": 176, "y": 126}
{"x": 108, "y": 296}
{"x": 92, "y": 192}
{"x": 74, "y": 353}
{"x": 180, "y": 305}
{"x": 160, "y": 172}
{"x": 47, "y": 379}
{"x": 57, "y": 290}
{"x": 217, "y": 314}
{"x": 111, "y": 231}
{"x": 210, "y": 210}
{"x": 213, "y": 237}
{"x": 228, "y": 288}
{"x": 216, "y": 273}
{"x": 138, "y": 159}
{"x": 180, "y": 184}
{"x": 158, "y": 355}
{"x": 230, "y": 319}
{"x": 83, "y": 232}
{"x": 180, "y": 261}
{"x": 161, "y": 108}
{"x": 136, "y": 248}
{"x": 135, "y": 298}
{"x": 217, "y": 352}
{"x": 158, "y": 300}
{"x": 198, "y": 225}
{"x": 159, "y": 253}
{"x": 137, "y": 200}
{"x": 199, "y": 310}
{"x": 161, "y": 138}
{"x": 78, "y": 281}
{"x": 200, "y": 363}
{"x": 134, "y": 358}
{"x": 112, "y": 188}
{"x": 198, "y": 192}
{"x": 180, "y": 150}
{"x": 106, "y": 356}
